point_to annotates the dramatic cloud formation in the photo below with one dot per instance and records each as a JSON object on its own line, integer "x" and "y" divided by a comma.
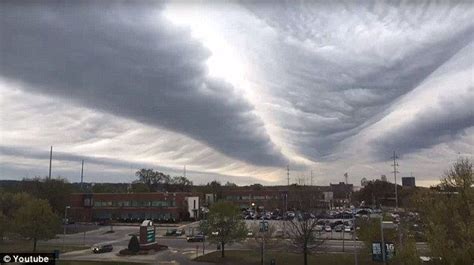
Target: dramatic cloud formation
{"x": 126, "y": 60}
{"x": 238, "y": 89}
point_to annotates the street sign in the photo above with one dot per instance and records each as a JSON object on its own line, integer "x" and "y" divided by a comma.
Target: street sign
{"x": 150, "y": 234}
{"x": 377, "y": 254}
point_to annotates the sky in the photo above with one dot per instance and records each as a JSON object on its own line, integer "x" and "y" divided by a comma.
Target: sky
{"x": 236, "y": 91}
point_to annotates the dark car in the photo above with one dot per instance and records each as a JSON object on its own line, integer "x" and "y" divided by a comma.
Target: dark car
{"x": 171, "y": 232}
{"x": 195, "y": 238}
{"x": 102, "y": 248}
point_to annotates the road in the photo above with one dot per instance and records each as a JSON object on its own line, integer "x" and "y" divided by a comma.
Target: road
{"x": 180, "y": 251}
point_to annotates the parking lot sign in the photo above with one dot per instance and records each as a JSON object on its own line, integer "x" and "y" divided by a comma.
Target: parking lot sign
{"x": 377, "y": 253}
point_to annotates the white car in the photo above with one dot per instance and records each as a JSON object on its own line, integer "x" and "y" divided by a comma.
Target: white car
{"x": 347, "y": 229}
{"x": 327, "y": 228}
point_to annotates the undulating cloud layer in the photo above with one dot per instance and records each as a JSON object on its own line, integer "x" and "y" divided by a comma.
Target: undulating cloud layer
{"x": 236, "y": 91}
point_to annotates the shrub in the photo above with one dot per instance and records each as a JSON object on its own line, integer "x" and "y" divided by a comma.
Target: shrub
{"x": 134, "y": 245}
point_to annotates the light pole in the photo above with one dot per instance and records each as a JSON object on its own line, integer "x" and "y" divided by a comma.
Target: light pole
{"x": 383, "y": 242}
{"x": 65, "y": 224}
{"x": 354, "y": 237}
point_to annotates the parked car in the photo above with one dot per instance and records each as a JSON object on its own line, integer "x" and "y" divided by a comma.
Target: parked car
{"x": 180, "y": 232}
{"x": 195, "y": 238}
{"x": 347, "y": 228}
{"x": 102, "y": 248}
{"x": 338, "y": 228}
{"x": 171, "y": 232}
{"x": 327, "y": 228}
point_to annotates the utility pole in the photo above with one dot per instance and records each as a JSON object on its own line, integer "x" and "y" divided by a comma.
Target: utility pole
{"x": 50, "y": 161}
{"x": 311, "y": 177}
{"x": 288, "y": 174}
{"x": 286, "y": 199}
{"x": 395, "y": 171}
{"x": 353, "y": 237}
{"x": 82, "y": 175}
{"x": 184, "y": 171}
{"x": 383, "y": 241}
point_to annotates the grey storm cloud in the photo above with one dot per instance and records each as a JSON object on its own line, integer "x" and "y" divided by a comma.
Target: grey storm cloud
{"x": 90, "y": 173}
{"x": 430, "y": 127}
{"x": 337, "y": 87}
{"x": 126, "y": 59}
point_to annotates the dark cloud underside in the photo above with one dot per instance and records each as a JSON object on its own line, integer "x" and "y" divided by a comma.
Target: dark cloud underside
{"x": 127, "y": 60}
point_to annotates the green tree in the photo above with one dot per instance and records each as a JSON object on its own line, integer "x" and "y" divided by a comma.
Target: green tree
{"x": 109, "y": 187}
{"x": 378, "y": 193}
{"x": 134, "y": 245}
{"x": 140, "y": 187}
{"x": 180, "y": 183}
{"x": 4, "y": 225}
{"x": 9, "y": 204}
{"x": 36, "y": 220}
{"x": 214, "y": 187}
{"x": 447, "y": 213}
{"x": 230, "y": 184}
{"x": 370, "y": 232}
{"x": 224, "y": 225}
{"x": 55, "y": 191}
{"x": 407, "y": 254}
{"x": 154, "y": 179}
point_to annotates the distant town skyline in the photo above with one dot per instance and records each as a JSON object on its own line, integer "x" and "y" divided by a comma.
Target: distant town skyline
{"x": 236, "y": 91}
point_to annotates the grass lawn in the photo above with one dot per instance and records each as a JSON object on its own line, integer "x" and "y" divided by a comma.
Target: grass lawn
{"x": 247, "y": 257}
{"x": 74, "y": 262}
{"x": 27, "y": 246}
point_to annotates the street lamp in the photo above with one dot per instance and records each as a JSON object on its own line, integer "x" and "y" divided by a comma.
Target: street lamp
{"x": 65, "y": 223}
{"x": 254, "y": 211}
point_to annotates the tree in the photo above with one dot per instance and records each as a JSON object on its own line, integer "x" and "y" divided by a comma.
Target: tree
{"x": 230, "y": 184}
{"x": 139, "y": 187}
{"x": 370, "y": 232}
{"x": 377, "y": 193}
{"x": 9, "y": 204}
{"x": 267, "y": 239}
{"x": 4, "y": 225}
{"x": 36, "y": 220}
{"x": 153, "y": 179}
{"x": 302, "y": 229}
{"x": 447, "y": 213}
{"x": 109, "y": 187}
{"x": 180, "y": 183}
{"x": 55, "y": 191}
{"x": 134, "y": 245}
{"x": 214, "y": 187}
{"x": 256, "y": 186}
{"x": 303, "y": 235}
{"x": 224, "y": 225}
{"x": 407, "y": 254}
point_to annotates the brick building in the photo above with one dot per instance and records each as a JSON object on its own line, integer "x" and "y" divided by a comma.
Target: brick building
{"x": 274, "y": 197}
{"x": 133, "y": 207}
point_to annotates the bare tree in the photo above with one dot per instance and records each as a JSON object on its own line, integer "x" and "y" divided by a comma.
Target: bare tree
{"x": 302, "y": 229}
{"x": 267, "y": 237}
{"x": 303, "y": 235}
